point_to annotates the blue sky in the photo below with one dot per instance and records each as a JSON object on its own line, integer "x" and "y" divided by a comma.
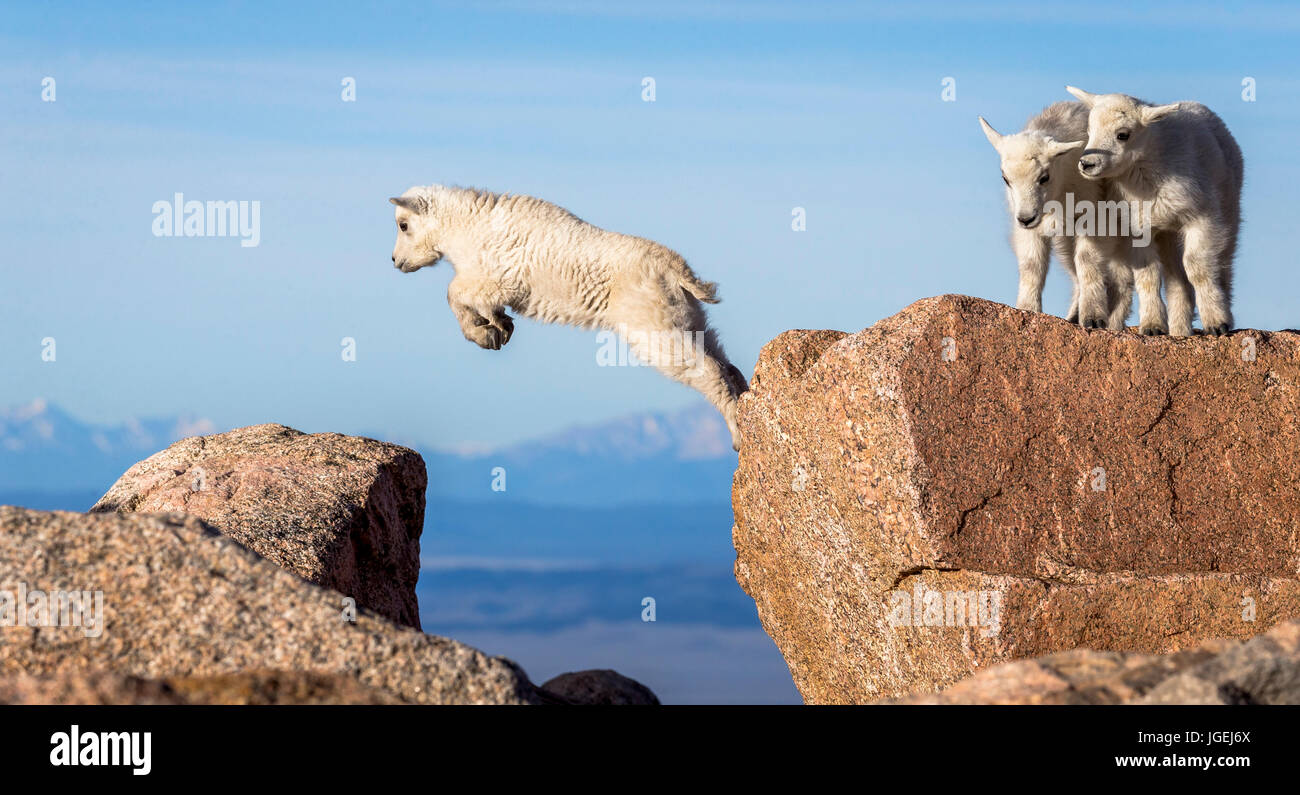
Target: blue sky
{"x": 760, "y": 108}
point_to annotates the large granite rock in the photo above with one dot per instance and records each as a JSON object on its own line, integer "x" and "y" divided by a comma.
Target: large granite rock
{"x": 180, "y": 599}
{"x": 1067, "y": 489}
{"x": 341, "y": 511}
{"x": 1262, "y": 670}
{"x": 244, "y": 689}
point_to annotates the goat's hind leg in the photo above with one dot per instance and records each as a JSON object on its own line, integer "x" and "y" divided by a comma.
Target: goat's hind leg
{"x": 695, "y": 359}
{"x": 735, "y": 377}
{"x": 1207, "y": 249}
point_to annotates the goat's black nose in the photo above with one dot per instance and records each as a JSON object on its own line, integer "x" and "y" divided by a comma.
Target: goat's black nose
{"x": 394, "y": 258}
{"x": 1027, "y": 219}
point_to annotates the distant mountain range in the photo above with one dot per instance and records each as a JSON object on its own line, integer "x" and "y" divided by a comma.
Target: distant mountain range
{"x": 43, "y": 449}
{"x": 684, "y": 457}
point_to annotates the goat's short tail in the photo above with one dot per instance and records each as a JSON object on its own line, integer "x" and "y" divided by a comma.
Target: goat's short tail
{"x": 704, "y": 291}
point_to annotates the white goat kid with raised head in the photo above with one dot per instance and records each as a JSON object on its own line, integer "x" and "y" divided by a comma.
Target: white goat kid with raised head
{"x": 1038, "y": 167}
{"x": 545, "y": 263}
{"x": 1180, "y": 164}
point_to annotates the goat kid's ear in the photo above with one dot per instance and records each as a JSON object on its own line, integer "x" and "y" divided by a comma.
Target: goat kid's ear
{"x": 994, "y": 137}
{"x": 1059, "y": 148}
{"x": 1082, "y": 96}
{"x": 1151, "y": 115}
{"x": 408, "y": 202}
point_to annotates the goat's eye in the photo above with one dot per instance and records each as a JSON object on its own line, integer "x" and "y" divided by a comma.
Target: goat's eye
{"x": 1043, "y": 179}
{"x": 1004, "y": 179}
{"x": 1122, "y": 135}
{"x": 403, "y": 226}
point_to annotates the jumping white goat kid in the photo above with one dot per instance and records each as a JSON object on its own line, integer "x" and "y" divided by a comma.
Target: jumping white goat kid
{"x": 545, "y": 263}
{"x": 1038, "y": 167}
{"x": 1181, "y": 161}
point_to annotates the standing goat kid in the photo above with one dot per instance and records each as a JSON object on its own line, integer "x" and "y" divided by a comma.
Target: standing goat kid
{"x": 545, "y": 263}
{"x": 1181, "y": 162}
{"x": 1038, "y": 167}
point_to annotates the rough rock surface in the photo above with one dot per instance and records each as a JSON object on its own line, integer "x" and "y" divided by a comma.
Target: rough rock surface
{"x": 1262, "y": 670}
{"x": 180, "y": 599}
{"x": 341, "y": 511}
{"x": 600, "y": 687}
{"x": 1104, "y": 490}
{"x": 251, "y": 688}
